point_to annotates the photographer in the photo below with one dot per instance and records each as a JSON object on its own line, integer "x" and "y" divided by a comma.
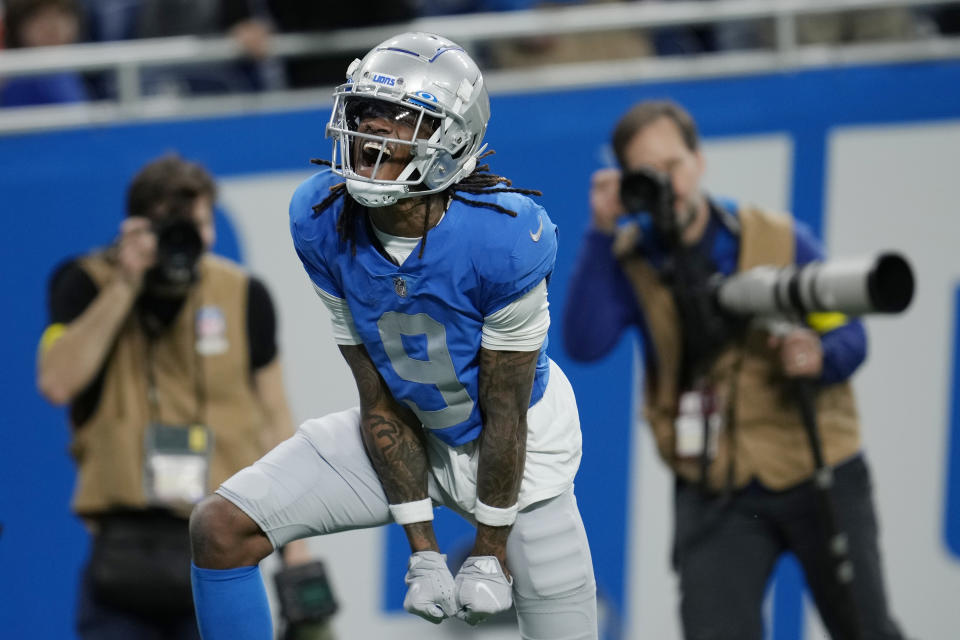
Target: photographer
{"x": 167, "y": 357}
{"x": 717, "y": 387}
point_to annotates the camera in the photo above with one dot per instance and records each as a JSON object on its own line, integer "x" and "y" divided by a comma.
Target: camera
{"x": 855, "y": 286}
{"x": 179, "y": 247}
{"x": 647, "y": 191}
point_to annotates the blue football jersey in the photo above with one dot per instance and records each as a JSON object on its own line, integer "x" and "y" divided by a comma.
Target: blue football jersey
{"x": 421, "y": 321}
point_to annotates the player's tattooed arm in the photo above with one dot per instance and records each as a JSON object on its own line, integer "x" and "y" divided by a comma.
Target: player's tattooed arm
{"x": 394, "y": 442}
{"x": 506, "y": 381}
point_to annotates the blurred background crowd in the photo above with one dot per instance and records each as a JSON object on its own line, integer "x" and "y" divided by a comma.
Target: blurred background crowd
{"x": 252, "y": 24}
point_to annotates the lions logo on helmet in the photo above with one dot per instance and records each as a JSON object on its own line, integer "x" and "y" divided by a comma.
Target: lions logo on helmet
{"x": 427, "y": 82}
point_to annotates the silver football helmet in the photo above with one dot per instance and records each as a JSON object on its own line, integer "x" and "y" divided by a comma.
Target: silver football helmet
{"x": 427, "y": 83}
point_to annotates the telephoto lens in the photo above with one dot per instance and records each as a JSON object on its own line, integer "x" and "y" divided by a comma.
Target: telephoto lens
{"x": 853, "y": 286}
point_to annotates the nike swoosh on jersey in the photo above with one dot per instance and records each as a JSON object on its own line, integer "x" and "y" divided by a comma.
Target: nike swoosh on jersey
{"x": 536, "y": 236}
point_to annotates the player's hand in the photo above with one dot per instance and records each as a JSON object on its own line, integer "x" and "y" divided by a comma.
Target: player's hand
{"x": 801, "y": 354}
{"x": 430, "y": 588}
{"x": 605, "y": 205}
{"x": 136, "y": 249}
{"x": 482, "y": 589}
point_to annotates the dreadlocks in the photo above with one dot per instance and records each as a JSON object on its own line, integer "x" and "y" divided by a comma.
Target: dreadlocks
{"x": 480, "y": 181}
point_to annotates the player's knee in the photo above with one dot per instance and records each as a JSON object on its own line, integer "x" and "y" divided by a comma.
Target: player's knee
{"x": 555, "y": 593}
{"x": 571, "y": 617}
{"x": 223, "y": 537}
{"x": 551, "y": 554}
{"x": 571, "y": 576}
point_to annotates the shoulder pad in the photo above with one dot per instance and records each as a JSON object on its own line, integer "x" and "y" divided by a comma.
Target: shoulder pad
{"x": 521, "y": 245}
{"x": 310, "y": 192}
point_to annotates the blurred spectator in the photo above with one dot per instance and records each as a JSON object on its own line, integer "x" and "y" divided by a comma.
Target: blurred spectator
{"x": 946, "y": 19}
{"x": 554, "y": 49}
{"x": 567, "y": 48}
{"x": 825, "y": 28}
{"x": 250, "y": 23}
{"x": 42, "y": 23}
{"x": 163, "y": 18}
{"x": 453, "y": 7}
{"x": 707, "y": 38}
{"x": 245, "y": 20}
{"x": 871, "y": 25}
{"x": 292, "y": 16}
{"x": 856, "y": 26}
{"x": 684, "y": 39}
{"x": 108, "y": 20}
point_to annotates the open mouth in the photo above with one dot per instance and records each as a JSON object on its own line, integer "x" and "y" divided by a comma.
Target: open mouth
{"x": 371, "y": 151}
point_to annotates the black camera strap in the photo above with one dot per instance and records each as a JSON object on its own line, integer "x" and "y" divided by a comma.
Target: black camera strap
{"x": 690, "y": 274}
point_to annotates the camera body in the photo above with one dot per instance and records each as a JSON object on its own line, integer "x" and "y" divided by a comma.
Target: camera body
{"x": 646, "y": 191}
{"x": 179, "y": 247}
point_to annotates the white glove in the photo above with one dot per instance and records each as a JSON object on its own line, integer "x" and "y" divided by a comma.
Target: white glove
{"x": 482, "y": 589}
{"x": 429, "y": 587}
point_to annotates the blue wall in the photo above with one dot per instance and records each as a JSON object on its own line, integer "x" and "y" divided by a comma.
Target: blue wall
{"x": 62, "y": 192}
{"x": 952, "y": 511}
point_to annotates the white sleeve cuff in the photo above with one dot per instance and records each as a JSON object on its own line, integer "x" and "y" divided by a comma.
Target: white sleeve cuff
{"x": 411, "y": 512}
{"x": 344, "y": 331}
{"x": 495, "y": 516}
{"x": 521, "y": 325}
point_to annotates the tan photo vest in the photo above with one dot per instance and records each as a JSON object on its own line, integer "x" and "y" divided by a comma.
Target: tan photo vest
{"x": 109, "y": 446}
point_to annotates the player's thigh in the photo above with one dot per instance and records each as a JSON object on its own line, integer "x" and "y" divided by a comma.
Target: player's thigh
{"x": 317, "y": 482}
{"x": 549, "y": 558}
{"x": 724, "y": 554}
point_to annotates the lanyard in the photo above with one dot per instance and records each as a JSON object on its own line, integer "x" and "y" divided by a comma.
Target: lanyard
{"x": 199, "y": 382}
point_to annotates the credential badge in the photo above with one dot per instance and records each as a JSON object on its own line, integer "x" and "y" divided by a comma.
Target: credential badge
{"x": 400, "y": 286}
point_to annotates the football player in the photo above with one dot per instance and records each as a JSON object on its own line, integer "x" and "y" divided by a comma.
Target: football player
{"x": 435, "y": 272}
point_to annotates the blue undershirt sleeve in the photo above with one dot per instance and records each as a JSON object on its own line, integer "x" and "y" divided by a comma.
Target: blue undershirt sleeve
{"x": 844, "y": 348}
{"x": 600, "y": 302}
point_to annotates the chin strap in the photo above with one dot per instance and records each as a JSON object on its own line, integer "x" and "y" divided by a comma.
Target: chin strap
{"x": 469, "y": 165}
{"x": 374, "y": 195}
{"x": 466, "y": 170}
